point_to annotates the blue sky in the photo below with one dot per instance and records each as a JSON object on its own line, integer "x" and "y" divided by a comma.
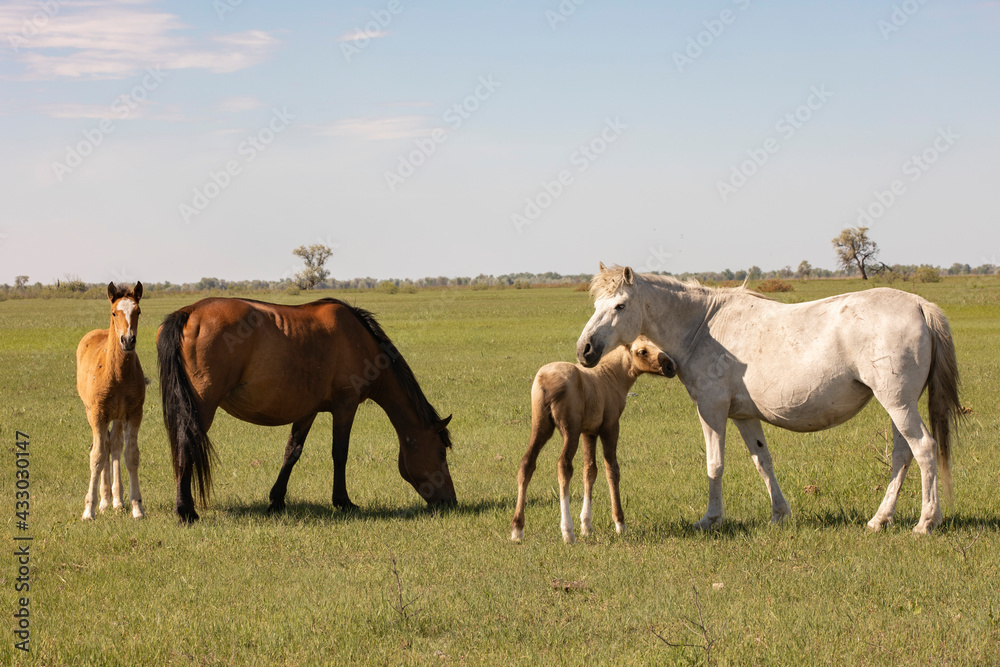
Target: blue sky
{"x": 175, "y": 140}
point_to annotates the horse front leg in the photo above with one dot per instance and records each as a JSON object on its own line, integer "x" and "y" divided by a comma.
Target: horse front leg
{"x": 713, "y": 425}
{"x": 609, "y": 441}
{"x": 111, "y": 488}
{"x": 753, "y": 436}
{"x": 132, "y": 464}
{"x": 571, "y": 440}
{"x": 98, "y": 464}
{"x": 343, "y": 420}
{"x": 293, "y": 450}
{"x": 589, "y": 477}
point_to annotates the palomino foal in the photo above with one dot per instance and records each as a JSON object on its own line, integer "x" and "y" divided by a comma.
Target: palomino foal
{"x": 113, "y": 389}
{"x": 587, "y": 402}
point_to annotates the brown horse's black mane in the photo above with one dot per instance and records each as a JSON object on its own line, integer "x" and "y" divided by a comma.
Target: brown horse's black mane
{"x": 403, "y": 372}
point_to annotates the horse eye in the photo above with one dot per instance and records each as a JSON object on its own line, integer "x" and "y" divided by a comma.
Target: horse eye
{"x": 620, "y": 306}
{"x": 642, "y": 353}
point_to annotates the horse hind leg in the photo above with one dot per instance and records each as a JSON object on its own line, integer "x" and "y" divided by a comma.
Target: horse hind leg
{"x": 753, "y": 436}
{"x": 293, "y": 450}
{"x": 542, "y": 428}
{"x": 911, "y": 440}
{"x": 132, "y": 464}
{"x": 589, "y": 477}
{"x": 98, "y": 465}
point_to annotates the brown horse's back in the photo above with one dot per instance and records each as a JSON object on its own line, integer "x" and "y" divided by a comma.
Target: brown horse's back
{"x": 270, "y": 364}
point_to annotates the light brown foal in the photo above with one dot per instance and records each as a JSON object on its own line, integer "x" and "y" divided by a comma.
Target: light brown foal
{"x": 110, "y": 382}
{"x": 588, "y": 402}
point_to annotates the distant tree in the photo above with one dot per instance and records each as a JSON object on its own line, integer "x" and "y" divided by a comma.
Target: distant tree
{"x": 315, "y": 257}
{"x": 928, "y": 274}
{"x": 21, "y": 282}
{"x": 854, "y": 248}
{"x": 755, "y": 273}
{"x": 804, "y": 270}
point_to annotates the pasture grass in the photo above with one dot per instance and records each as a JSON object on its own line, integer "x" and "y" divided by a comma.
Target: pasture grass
{"x": 397, "y": 584}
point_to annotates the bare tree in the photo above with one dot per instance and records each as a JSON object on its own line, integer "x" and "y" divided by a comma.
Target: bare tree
{"x": 21, "y": 282}
{"x": 315, "y": 257}
{"x": 804, "y": 270}
{"x": 854, "y": 248}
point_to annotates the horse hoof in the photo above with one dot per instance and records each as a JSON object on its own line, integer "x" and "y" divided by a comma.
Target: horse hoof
{"x": 876, "y": 525}
{"x": 137, "y": 511}
{"x": 923, "y": 529}
{"x": 708, "y": 524}
{"x": 620, "y": 528}
{"x": 276, "y": 508}
{"x": 187, "y": 517}
{"x": 569, "y": 538}
{"x": 346, "y": 505}
{"x": 516, "y": 534}
{"x": 87, "y": 516}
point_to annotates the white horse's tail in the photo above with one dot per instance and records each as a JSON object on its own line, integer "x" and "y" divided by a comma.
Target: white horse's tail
{"x": 942, "y": 388}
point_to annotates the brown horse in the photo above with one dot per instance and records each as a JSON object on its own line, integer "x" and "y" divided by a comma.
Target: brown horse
{"x": 587, "y": 401}
{"x": 110, "y": 382}
{"x": 271, "y": 364}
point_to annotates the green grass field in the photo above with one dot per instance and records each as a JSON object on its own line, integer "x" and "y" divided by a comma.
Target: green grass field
{"x": 395, "y": 584}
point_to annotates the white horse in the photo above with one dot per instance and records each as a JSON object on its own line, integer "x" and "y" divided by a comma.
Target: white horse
{"x": 803, "y": 367}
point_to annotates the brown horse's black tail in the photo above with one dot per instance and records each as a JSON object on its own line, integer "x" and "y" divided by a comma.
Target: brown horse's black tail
{"x": 190, "y": 447}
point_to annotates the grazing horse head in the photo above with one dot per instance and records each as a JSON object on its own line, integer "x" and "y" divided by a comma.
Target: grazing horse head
{"x": 648, "y": 358}
{"x": 617, "y": 318}
{"x": 423, "y": 463}
{"x": 125, "y": 313}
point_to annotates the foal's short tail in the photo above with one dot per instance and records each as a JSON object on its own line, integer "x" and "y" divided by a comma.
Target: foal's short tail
{"x": 189, "y": 444}
{"x": 942, "y": 388}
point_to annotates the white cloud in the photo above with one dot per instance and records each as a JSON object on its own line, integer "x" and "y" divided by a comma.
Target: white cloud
{"x": 237, "y": 104}
{"x": 359, "y": 35}
{"x": 394, "y": 127}
{"x": 114, "y": 40}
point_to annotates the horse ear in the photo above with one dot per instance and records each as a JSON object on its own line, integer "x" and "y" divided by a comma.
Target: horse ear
{"x": 112, "y": 292}
{"x": 629, "y": 276}
{"x": 443, "y": 424}
{"x": 137, "y": 291}
{"x": 603, "y": 268}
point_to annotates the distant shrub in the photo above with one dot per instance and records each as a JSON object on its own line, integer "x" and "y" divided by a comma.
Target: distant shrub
{"x": 928, "y": 274}
{"x": 522, "y": 284}
{"x": 387, "y": 287}
{"x": 887, "y": 277}
{"x": 775, "y": 285}
{"x": 293, "y": 290}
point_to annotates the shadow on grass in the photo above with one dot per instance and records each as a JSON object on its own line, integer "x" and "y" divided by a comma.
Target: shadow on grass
{"x": 308, "y": 512}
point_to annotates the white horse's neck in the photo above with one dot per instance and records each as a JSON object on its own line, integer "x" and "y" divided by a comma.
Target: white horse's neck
{"x": 678, "y": 314}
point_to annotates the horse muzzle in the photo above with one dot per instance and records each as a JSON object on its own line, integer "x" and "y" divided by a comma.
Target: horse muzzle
{"x": 667, "y": 365}
{"x": 588, "y": 353}
{"x": 128, "y": 343}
